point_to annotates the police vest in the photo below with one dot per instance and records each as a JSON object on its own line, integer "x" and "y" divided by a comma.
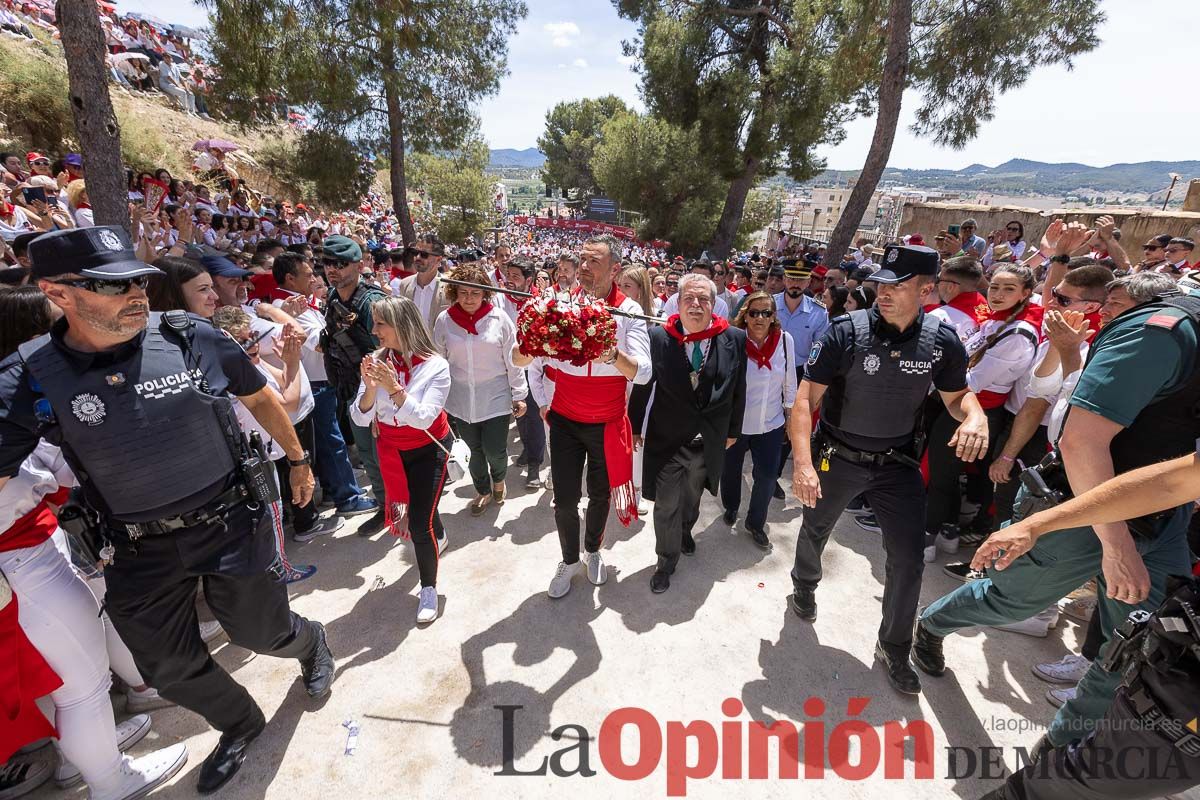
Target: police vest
{"x": 1167, "y": 428}
{"x": 139, "y": 434}
{"x": 347, "y": 340}
{"x": 881, "y": 394}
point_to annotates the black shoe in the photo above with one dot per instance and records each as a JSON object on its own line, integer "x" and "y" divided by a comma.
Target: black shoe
{"x": 226, "y": 759}
{"x": 900, "y": 673}
{"x": 730, "y": 516}
{"x": 779, "y": 494}
{"x": 373, "y": 525}
{"x": 927, "y": 651}
{"x": 688, "y": 545}
{"x": 868, "y": 523}
{"x": 522, "y": 460}
{"x": 963, "y": 572}
{"x": 319, "y": 668}
{"x": 858, "y": 505}
{"x": 660, "y": 582}
{"x": 760, "y": 538}
{"x": 803, "y": 603}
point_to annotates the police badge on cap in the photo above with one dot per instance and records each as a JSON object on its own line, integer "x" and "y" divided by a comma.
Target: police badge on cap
{"x": 102, "y": 252}
{"x": 902, "y": 262}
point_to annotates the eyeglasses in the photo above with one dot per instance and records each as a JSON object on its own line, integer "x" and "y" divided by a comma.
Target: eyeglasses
{"x": 762, "y": 314}
{"x": 1065, "y": 301}
{"x": 41, "y": 162}
{"x": 333, "y": 263}
{"x": 108, "y": 287}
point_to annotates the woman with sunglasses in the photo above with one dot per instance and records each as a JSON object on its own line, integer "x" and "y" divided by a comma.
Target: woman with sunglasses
{"x": 1012, "y": 237}
{"x": 1154, "y": 254}
{"x": 39, "y": 165}
{"x": 403, "y": 393}
{"x": 487, "y": 389}
{"x": 770, "y": 390}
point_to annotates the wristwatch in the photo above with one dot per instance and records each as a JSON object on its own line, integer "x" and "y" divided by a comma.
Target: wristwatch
{"x": 304, "y": 461}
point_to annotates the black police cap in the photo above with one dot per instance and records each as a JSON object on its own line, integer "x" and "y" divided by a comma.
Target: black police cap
{"x": 901, "y": 262}
{"x": 101, "y": 251}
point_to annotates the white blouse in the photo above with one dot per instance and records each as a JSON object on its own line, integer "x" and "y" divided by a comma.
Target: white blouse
{"x": 1006, "y": 362}
{"x": 770, "y": 391}
{"x": 426, "y": 391}
{"x": 484, "y": 383}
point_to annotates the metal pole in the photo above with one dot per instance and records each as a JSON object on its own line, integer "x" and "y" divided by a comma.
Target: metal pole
{"x": 1171, "y": 188}
{"x": 487, "y": 287}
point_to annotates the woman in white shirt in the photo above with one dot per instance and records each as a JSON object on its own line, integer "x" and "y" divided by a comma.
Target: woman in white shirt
{"x": 487, "y": 388}
{"x": 770, "y": 389}
{"x": 403, "y": 394}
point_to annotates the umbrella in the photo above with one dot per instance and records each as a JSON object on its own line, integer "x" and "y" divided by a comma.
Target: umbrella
{"x": 119, "y": 57}
{"x": 223, "y": 145}
{"x": 188, "y": 32}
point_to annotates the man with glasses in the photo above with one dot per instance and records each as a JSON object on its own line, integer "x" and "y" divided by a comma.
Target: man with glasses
{"x": 972, "y": 244}
{"x": 1179, "y": 254}
{"x": 962, "y": 306}
{"x": 346, "y": 340}
{"x": 140, "y": 404}
{"x": 1154, "y": 255}
{"x": 702, "y": 266}
{"x": 425, "y": 288}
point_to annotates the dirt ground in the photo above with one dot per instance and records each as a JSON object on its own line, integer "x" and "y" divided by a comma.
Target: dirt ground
{"x": 426, "y": 698}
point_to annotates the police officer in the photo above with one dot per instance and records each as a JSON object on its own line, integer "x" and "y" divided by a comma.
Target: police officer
{"x": 1146, "y": 745}
{"x": 870, "y": 374}
{"x": 346, "y": 340}
{"x": 139, "y": 403}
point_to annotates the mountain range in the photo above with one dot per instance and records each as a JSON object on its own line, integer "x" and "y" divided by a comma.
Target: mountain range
{"x": 1016, "y": 176}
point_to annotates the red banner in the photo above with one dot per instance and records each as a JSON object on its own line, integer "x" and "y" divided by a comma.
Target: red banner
{"x": 588, "y": 226}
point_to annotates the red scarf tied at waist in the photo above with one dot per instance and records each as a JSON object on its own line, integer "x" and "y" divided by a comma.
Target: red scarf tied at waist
{"x": 392, "y": 440}
{"x": 762, "y": 355}
{"x": 466, "y": 320}
{"x": 24, "y": 677}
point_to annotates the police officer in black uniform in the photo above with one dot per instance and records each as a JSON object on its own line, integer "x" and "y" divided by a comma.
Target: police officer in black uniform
{"x": 870, "y": 373}
{"x": 140, "y": 404}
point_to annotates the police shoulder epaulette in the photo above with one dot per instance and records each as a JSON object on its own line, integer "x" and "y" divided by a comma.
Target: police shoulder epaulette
{"x": 1166, "y": 318}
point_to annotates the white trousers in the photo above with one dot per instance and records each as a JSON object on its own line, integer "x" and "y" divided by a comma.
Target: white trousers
{"x": 62, "y": 620}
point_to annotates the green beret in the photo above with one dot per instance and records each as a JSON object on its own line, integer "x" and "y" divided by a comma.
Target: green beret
{"x": 342, "y": 248}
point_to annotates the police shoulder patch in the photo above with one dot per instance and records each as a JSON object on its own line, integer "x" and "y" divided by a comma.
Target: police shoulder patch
{"x": 1167, "y": 318}
{"x": 815, "y": 352}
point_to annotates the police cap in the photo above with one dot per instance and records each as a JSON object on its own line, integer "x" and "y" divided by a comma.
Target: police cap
{"x": 342, "y": 248}
{"x": 102, "y": 252}
{"x": 901, "y": 262}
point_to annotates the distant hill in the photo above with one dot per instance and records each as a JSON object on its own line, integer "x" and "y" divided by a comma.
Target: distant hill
{"x": 529, "y": 158}
{"x": 1021, "y": 176}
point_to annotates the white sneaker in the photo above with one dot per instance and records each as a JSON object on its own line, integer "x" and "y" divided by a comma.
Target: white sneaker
{"x": 1079, "y": 609}
{"x": 947, "y": 544}
{"x": 930, "y": 554}
{"x": 211, "y": 631}
{"x": 967, "y": 512}
{"x": 1038, "y": 625}
{"x": 139, "y": 702}
{"x": 443, "y": 543}
{"x": 1069, "y": 670}
{"x": 129, "y": 733}
{"x": 427, "y": 608}
{"x": 323, "y": 527}
{"x": 140, "y": 776}
{"x": 560, "y": 584}
{"x": 597, "y": 573}
{"x": 1060, "y": 697}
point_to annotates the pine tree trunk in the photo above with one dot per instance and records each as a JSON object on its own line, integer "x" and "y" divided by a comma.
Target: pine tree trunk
{"x": 95, "y": 121}
{"x": 399, "y": 183}
{"x": 735, "y": 206}
{"x": 891, "y": 93}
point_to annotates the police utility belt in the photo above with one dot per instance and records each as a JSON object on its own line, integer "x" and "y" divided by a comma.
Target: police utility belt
{"x": 826, "y": 447}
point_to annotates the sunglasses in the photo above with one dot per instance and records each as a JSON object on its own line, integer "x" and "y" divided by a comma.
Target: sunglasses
{"x": 108, "y": 287}
{"x": 1065, "y": 301}
{"x": 1152, "y": 247}
{"x": 41, "y": 162}
{"x": 762, "y": 314}
{"x": 333, "y": 263}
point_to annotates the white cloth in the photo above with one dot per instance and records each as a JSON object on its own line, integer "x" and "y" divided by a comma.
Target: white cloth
{"x": 964, "y": 324}
{"x": 1006, "y": 362}
{"x": 541, "y": 387}
{"x": 423, "y": 295}
{"x": 40, "y": 474}
{"x": 770, "y": 391}
{"x": 1056, "y": 390}
{"x": 720, "y": 308}
{"x": 426, "y": 390}
{"x": 632, "y": 340}
{"x": 484, "y": 383}
{"x": 249, "y": 423}
{"x": 311, "y": 358}
{"x": 83, "y": 218}
{"x": 1020, "y": 390}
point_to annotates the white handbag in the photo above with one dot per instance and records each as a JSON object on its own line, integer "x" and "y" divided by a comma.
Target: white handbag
{"x": 456, "y": 457}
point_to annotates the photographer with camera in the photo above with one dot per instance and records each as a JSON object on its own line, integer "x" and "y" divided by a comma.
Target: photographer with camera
{"x": 139, "y": 402}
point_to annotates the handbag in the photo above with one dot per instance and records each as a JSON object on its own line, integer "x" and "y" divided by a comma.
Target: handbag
{"x": 456, "y": 457}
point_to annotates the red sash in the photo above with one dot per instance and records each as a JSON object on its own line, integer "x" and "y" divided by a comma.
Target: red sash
{"x": 24, "y": 677}
{"x": 1033, "y": 314}
{"x": 762, "y": 355}
{"x": 33, "y": 528}
{"x": 601, "y": 399}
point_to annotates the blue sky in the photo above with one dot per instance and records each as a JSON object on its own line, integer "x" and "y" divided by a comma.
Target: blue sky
{"x": 1114, "y": 107}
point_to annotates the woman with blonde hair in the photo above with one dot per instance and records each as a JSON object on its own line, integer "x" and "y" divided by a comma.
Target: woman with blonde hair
{"x": 634, "y": 283}
{"x": 487, "y": 389}
{"x": 403, "y": 394}
{"x": 81, "y": 207}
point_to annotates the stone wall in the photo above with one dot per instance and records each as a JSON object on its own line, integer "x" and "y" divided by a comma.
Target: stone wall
{"x": 1136, "y": 226}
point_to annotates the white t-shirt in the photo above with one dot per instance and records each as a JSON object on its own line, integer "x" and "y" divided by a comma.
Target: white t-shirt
{"x": 249, "y": 423}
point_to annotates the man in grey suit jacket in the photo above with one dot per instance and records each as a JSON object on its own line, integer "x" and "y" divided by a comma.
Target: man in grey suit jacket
{"x": 424, "y": 288}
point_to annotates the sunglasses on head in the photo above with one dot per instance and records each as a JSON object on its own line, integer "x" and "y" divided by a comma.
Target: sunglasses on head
{"x": 760, "y": 314}
{"x": 109, "y": 287}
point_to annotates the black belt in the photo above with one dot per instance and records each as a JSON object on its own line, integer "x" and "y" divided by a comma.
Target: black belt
{"x": 847, "y": 453}
{"x": 213, "y": 509}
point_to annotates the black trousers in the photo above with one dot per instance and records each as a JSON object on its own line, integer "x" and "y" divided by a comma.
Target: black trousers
{"x": 945, "y": 467}
{"x": 678, "y": 489}
{"x": 1124, "y": 759}
{"x": 151, "y": 600}
{"x": 532, "y": 431}
{"x": 425, "y": 468}
{"x": 303, "y": 517}
{"x": 574, "y": 446}
{"x": 897, "y": 499}
{"x": 1031, "y": 453}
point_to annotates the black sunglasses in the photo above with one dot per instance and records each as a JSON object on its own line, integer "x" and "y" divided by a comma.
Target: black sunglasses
{"x": 760, "y": 314}
{"x": 111, "y": 287}
{"x": 1065, "y": 301}
{"x": 333, "y": 263}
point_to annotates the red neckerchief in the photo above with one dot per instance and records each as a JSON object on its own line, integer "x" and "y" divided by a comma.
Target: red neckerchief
{"x": 1032, "y": 313}
{"x": 1093, "y": 321}
{"x": 931, "y": 307}
{"x": 675, "y": 328}
{"x": 662, "y": 297}
{"x": 762, "y": 355}
{"x": 467, "y": 321}
{"x": 972, "y": 304}
{"x": 83, "y": 205}
{"x": 615, "y": 297}
{"x": 6, "y": 210}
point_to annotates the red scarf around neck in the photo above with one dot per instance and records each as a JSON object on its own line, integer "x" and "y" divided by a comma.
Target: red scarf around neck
{"x": 675, "y": 328}
{"x": 394, "y": 439}
{"x": 467, "y": 321}
{"x": 615, "y": 297}
{"x": 762, "y": 355}
{"x": 1032, "y": 313}
{"x": 972, "y": 304}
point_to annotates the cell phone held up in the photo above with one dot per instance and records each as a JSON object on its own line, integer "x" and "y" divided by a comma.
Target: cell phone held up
{"x": 953, "y": 230}
{"x": 32, "y": 193}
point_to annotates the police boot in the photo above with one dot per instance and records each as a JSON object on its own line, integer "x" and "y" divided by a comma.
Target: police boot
{"x": 319, "y": 668}
{"x": 226, "y": 759}
{"x": 927, "y": 651}
{"x": 900, "y": 673}
{"x": 803, "y": 603}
